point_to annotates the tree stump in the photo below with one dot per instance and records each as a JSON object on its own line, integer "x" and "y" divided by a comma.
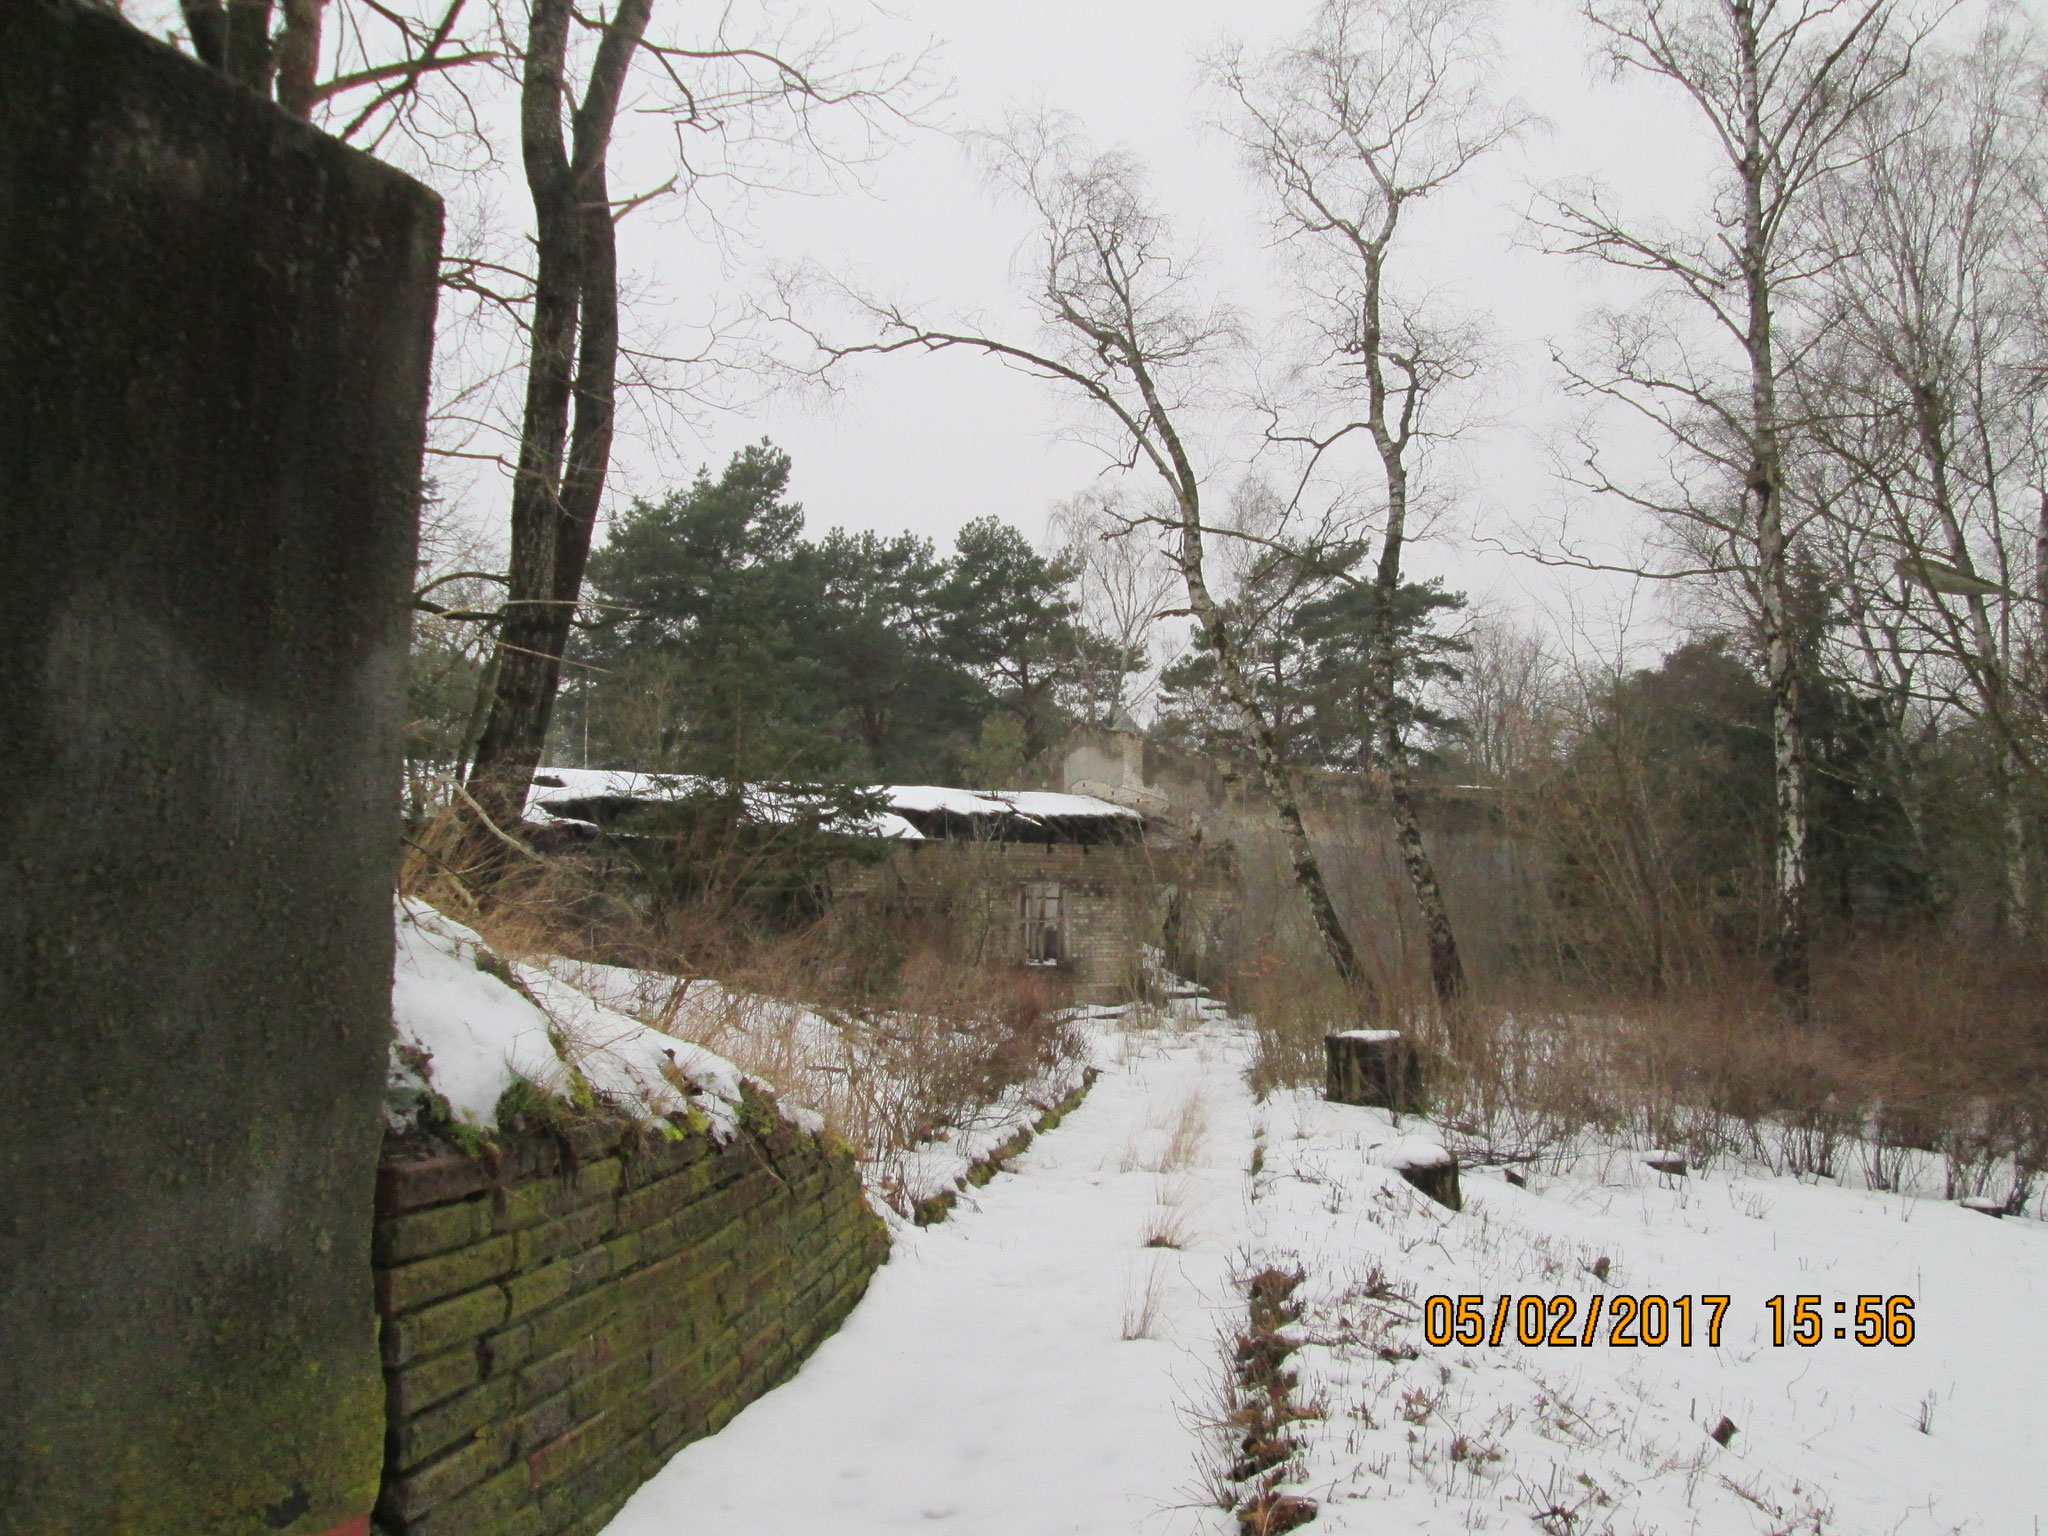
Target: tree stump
{"x": 1430, "y": 1168}
{"x": 1378, "y": 1068}
{"x": 1439, "y": 1183}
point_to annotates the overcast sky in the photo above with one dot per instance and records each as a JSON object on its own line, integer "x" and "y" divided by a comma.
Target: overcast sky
{"x": 928, "y": 442}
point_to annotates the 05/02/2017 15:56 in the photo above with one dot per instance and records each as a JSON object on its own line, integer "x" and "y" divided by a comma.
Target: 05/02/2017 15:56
{"x": 1625, "y": 1322}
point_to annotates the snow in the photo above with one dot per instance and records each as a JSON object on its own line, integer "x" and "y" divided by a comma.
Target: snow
{"x": 1036, "y": 805}
{"x": 556, "y": 787}
{"x": 610, "y": 783}
{"x": 1372, "y": 1035}
{"x": 984, "y": 1384}
{"x": 1410, "y": 1152}
{"x": 1827, "y": 1439}
{"x": 933, "y": 798}
{"x": 1043, "y": 804}
{"x": 810, "y": 1054}
{"x": 477, "y": 1035}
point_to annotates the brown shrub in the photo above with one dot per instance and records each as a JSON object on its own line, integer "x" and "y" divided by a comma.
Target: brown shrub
{"x": 888, "y": 1024}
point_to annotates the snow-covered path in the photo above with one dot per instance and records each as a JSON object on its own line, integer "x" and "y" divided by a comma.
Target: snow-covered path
{"x": 984, "y": 1384}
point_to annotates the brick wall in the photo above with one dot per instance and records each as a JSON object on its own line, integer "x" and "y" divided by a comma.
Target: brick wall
{"x": 1109, "y": 893}
{"x": 554, "y": 1333}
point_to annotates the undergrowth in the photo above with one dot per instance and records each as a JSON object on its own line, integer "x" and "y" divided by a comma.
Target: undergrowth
{"x": 889, "y": 1024}
{"x": 1912, "y": 1051}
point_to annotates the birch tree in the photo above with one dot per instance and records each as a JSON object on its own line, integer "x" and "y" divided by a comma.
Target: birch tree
{"x": 1126, "y": 333}
{"x": 1377, "y": 107}
{"x": 1779, "y": 88}
{"x": 1930, "y": 397}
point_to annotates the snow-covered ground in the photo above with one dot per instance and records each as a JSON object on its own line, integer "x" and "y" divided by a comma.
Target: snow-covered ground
{"x": 987, "y": 1383}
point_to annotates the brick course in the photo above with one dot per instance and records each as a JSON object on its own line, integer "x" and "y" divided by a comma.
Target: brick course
{"x": 556, "y": 1329}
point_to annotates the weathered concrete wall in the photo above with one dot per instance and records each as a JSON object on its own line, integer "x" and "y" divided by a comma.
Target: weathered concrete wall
{"x": 1111, "y": 895}
{"x": 215, "y": 326}
{"x": 556, "y": 1327}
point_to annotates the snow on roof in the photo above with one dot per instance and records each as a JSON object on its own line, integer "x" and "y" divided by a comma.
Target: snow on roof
{"x": 1038, "y": 805}
{"x": 1042, "y": 804}
{"x": 558, "y": 792}
{"x": 932, "y": 798}
{"x": 610, "y": 783}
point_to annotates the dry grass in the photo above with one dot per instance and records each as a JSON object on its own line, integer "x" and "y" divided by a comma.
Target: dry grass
{"x": 880, "y": 1023}
{"x": 1910, "y": 1047}
{"x": 1190, "y": 1129}
{"x": 1170, "y": 1140}
{"x": 1916, "y": 1044}
{"x": 1143, "y": 1298}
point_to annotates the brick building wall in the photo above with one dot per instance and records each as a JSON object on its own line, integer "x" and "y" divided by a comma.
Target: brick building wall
{"x": 1109, "y": 894}
{"x": 556, "y": 1327}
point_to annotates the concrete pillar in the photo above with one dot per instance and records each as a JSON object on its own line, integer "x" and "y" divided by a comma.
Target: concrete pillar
{"x": 215, "y": 327}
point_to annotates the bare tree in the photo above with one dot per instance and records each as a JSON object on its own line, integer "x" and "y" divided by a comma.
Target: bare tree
{"x": 1931, "y": 389}
{"x": 1377, "y": 107}
{"x": 1780, "y": 87}
{"x": 755, "y": 101}
{"x": 1506, "y": 701}
{"x": 1122, "y": 587}
{"x": 366, "y": 73}
{"x": 572, "y": 356}
{"x": 1124, "y": 331}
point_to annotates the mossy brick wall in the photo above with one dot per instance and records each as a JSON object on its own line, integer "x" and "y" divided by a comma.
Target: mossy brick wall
{"x": 215, "y": 328}
{"x": 555, "y": 1329}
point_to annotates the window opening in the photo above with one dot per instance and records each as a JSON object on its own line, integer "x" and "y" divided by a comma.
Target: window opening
{"x": 1042, "y": 923}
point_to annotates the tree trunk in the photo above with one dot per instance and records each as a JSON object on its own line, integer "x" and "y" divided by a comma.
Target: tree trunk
{"x": 298, "y": 56}
{"x": 1391, "y": 440}
{"x": 1791, "y": 940}
{"x": 1278, "y": 782}
{"x": 1274, "y": 773}
{"x": 248, "y": 49}
{"x": 1377, "y": 1068}
{"x": 2018, "y": 907}
{"x": 554, "y": 509}
{"x": 1790, "y": 967}
{"x": 1931, "y": 422}
{"x": 1446, "y": 968}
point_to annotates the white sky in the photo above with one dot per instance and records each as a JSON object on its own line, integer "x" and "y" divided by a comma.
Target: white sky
{"x": 928, "y": 442}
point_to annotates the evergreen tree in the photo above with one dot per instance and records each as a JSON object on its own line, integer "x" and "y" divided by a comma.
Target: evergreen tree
{"x": 726, "y": 644}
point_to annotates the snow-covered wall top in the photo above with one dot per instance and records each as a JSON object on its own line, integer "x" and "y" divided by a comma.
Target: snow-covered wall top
{"x": 1039, "y": 805}
{"x": 466, "y": 1034}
